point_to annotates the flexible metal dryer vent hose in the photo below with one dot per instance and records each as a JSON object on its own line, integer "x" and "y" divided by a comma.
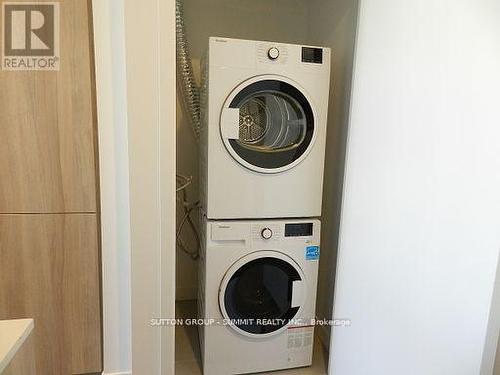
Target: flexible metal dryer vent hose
{"x": 191, "y": 100}
{"x": 189, "y": 90}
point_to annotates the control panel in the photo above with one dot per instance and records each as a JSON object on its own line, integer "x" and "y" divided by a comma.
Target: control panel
{"x": 266, "y": 231}
{"x": 272, "y": 232}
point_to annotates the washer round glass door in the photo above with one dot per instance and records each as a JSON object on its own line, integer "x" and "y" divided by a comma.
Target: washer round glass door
{"x": 267, "y": 124}
{"x": 261, "y": 293}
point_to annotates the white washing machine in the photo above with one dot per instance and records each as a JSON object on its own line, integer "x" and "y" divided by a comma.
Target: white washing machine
{"x": 264, "y": 116}
{"x": 257, "y": 295}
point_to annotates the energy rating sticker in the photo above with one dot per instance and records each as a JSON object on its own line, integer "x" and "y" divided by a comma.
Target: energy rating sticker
{"x": 312, "y": 252}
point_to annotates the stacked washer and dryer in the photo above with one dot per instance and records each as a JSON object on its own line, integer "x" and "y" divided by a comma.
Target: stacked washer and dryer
{"x": 264, "y": 116}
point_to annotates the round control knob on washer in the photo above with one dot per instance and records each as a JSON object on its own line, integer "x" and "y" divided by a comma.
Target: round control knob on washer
{"x": 273, "y": 53}
{"x": 266, "y": 233}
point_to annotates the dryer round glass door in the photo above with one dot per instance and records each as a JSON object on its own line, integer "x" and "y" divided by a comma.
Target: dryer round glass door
{"x": 262, "y": 293}
{"x": 268, "y": 124}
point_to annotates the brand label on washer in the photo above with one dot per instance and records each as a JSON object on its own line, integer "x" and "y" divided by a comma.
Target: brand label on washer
{"x": 312, "y": 252}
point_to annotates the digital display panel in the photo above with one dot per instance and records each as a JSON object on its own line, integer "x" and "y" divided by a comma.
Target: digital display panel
{"x": 298, "y": 229}
{"x": 312, "y": 55}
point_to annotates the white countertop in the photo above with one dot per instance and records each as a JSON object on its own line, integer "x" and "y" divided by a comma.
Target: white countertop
{"x": 13, "y": 333}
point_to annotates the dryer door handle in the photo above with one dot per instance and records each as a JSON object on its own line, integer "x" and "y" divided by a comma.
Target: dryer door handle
{"x": 230, "y": 123}
{"x": 298, "y": 293}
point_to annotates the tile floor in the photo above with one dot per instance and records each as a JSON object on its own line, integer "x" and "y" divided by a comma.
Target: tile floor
{"x": 187, "y": 361}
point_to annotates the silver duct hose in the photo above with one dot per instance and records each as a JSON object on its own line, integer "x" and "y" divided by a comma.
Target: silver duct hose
{"x": 189, "y": 90}
{"x": 191, "y": 100}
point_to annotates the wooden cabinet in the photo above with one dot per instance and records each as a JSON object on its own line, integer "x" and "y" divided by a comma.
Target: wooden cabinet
{"x": 47, "y": 127}
{"x": 49, "y": 271}
{"x": 49, "y": 247}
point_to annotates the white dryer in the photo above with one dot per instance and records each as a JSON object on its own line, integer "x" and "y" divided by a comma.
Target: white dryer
{"x": 257, "y": 294}
{"x": 264, "y": 115}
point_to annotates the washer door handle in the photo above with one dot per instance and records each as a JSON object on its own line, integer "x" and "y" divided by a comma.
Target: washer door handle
{"x": 298, "y": 293}
{"x": 230, "y": 123}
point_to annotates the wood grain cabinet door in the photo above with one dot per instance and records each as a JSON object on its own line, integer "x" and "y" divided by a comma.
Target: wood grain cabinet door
{"x": 47, "y": 126}
{"x": 49, "y": 271}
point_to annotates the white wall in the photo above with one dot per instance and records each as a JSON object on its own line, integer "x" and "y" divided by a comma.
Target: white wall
{"x": 167, "y": 140}
{"x": 420, "y": 237}
{"x": 280, "y": 20}
{"x": 332, "y": 23}
{"x": 497, "y": 363}
{"x": 109, "y": 44}
{"x": 150, "y": 66}
{"x": 135, "y": 77}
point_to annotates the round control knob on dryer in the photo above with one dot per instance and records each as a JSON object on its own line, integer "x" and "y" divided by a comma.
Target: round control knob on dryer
{"x": 273, "y": 53}
{"x": 266, "y": 233}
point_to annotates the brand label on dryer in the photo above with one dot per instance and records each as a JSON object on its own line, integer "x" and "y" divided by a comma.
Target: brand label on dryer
{"x": 312, "y": 252}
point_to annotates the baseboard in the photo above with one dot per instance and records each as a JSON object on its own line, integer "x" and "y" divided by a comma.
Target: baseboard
{"x": 117, "y": 373}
